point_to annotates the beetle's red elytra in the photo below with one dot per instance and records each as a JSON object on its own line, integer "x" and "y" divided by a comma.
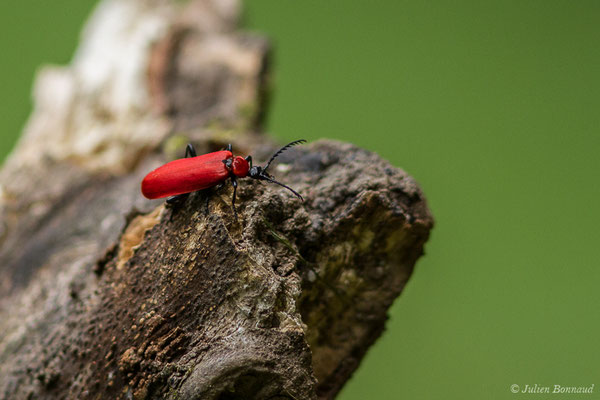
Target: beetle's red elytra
{"x": 186, "y": 175}
{"x": 178, "y": 178}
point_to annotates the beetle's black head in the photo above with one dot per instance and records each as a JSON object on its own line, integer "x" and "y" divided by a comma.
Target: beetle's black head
{"x": 260, "y": 173}
{"x": 255, "y": 172}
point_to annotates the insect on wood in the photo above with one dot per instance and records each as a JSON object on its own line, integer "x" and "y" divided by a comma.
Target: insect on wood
{"x": 178, "y": 178}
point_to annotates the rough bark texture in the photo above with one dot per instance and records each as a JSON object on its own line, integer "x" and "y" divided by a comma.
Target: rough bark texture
{"x": 107, "y": 295}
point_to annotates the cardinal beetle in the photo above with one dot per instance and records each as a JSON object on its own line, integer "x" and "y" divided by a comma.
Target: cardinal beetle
{"x": 178, "y": 178}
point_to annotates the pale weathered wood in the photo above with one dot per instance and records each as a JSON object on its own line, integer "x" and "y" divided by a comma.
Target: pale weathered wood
{"x": 107, "y": 295}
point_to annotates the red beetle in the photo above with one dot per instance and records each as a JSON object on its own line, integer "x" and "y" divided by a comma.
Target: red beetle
{"x": 178, "y": 178}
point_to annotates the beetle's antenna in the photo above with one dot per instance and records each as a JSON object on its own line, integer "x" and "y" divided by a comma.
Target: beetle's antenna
{"x": 266, "y": 178}
{"x": 284, "y": 148}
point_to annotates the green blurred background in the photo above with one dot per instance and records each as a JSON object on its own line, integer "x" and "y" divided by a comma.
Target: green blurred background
{"x": 495, "y": 108}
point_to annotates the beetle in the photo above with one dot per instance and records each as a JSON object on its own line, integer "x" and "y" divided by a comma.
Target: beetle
{"x": 178, "y": 178}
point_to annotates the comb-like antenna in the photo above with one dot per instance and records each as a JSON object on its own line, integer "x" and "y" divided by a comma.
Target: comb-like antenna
{"x": 266, "y": 178}
{"x": 281, "y": 150}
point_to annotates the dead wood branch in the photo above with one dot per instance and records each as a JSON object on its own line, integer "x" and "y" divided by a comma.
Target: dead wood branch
{"x": 107, "y": 295}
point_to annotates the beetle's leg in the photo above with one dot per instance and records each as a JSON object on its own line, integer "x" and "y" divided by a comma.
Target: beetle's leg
{"x": 249, "y": 159}
{"x": 177, "y": 199}
{"x": 229, "y": 147}
{"x": 206, "y": 205}
{"x": 234, "y": 183}
{"x": 210, "y": 191}
{"x": 190, "y": 151}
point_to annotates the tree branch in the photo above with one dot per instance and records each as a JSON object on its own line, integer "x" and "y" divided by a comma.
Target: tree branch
{"x": 104, "y": 293}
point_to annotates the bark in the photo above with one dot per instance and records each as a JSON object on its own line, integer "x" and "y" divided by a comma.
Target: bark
{"x": 107, "y": 295}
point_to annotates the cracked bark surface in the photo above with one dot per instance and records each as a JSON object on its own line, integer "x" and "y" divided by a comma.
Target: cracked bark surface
{"x": 104, "y": 294}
